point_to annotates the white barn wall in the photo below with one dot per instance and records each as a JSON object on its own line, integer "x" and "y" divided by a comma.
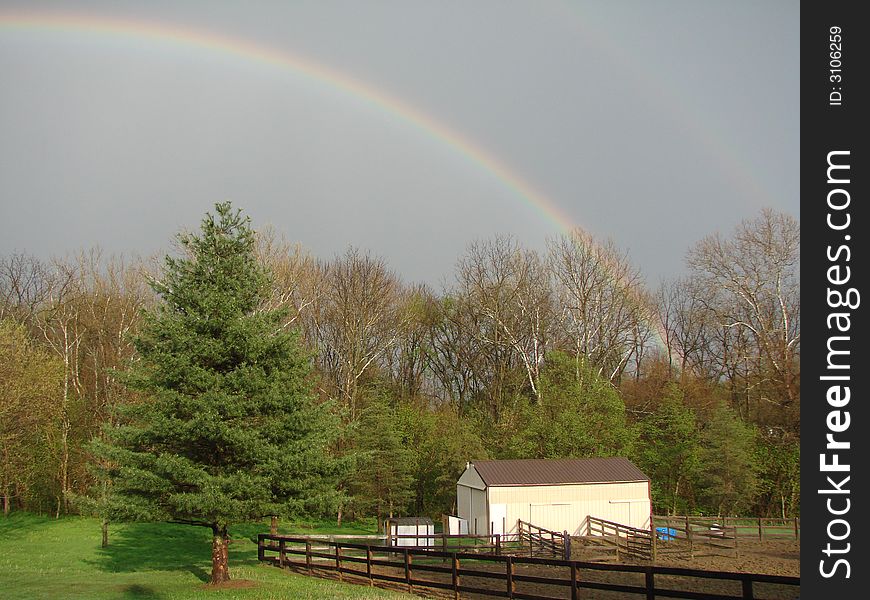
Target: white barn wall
{"x": 559, "y": 507}
{"x": 471, "y": 501}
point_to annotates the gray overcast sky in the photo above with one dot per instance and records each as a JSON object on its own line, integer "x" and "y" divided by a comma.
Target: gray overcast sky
{"x": 654, "y": 123}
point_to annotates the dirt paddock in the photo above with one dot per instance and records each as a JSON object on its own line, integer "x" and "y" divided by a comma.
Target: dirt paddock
{"x": 770, "y": 557}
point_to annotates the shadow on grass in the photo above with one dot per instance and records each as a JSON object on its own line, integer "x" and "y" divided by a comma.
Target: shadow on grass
{"x": 137, "y": 547}
{"x": 156, "y": 547}
{"x": 139, "y": 591}
{"x": 17, "y": 522}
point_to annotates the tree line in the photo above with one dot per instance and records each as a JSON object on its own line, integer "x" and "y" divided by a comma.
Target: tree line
{"x": 522, "y": 354}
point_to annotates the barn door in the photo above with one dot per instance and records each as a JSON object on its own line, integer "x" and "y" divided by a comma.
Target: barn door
{"x": 497, "y": 516}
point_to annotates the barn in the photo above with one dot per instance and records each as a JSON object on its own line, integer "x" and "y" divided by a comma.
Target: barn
{"x": 555, "y": 494}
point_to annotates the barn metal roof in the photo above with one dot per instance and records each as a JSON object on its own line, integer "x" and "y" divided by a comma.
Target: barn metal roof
{"x": 536, "y": 471}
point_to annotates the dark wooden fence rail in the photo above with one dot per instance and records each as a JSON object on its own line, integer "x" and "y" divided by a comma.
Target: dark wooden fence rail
{"x": 448, "y": 570}
{"x": 757, "y": 527}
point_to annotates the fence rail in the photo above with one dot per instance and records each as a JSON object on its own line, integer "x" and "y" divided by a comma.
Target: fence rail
{"x": 757, "y": 527}
{"x": 497, "y": 543}
{"x": 696, "y": 540}
{"x": 492, "y": 575}
{"x": 630, "y": 541}
{"x": 542, "y": 541}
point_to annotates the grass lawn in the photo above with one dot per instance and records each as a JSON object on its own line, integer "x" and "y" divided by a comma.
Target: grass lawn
{"x": 41, "y": 557}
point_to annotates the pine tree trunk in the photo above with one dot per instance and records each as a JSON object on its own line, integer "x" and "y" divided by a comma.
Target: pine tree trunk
{"x": 220, "y": 568}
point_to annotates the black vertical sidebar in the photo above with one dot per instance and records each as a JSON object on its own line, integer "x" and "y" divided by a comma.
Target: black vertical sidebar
{"x": 835, "y": 421}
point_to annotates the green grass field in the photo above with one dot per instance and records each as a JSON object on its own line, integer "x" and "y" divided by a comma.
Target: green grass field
{"x": 41, "y": 557}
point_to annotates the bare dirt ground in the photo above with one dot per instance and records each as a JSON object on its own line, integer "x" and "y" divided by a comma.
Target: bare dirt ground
{"x": 770, "y": 557}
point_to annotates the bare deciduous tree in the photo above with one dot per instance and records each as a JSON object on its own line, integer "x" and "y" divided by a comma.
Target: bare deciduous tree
{"x": 25, "y": 283}
{"x": 507, "y": 290}
{"x": 296, "y": 279}
{"x": 357, "y": 319}
{"x": 604, "y": 309}
{"x": 751, "y": 288}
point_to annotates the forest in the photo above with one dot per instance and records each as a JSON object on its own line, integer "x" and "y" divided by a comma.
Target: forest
{"x": 567, "y": 352}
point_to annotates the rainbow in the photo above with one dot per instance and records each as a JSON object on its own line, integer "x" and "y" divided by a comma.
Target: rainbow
{"x": 193, "y": 39}
{"x": 185, "y": 38}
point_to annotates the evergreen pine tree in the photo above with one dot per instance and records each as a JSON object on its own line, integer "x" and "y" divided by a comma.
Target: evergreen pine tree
{"x": 383, "y": 482}
{"x": 729, "y": 463}
{"x": 229, "y": 430}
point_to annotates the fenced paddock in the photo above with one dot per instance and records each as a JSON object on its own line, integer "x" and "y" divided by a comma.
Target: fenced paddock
{"x": 693, "y": 539}
{"x": 467, "y": 574}
{"x": 625, "y": 540}
{"x": 529, "y": 540}
{"x": 757, "y": 527}
{"x": 543, "y": 542}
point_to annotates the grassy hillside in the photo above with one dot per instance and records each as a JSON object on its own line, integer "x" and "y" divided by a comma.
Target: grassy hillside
{"x": 45, "y": 558}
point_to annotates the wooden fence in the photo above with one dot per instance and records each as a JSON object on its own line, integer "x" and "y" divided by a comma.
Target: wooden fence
{"x": 529, "y": 540}
{"x": 630, "y": 541}
{"x": 505, "y": 576}
{"x": 693, "y": 539}
{"x": 492, "y": 544}
{"x": 757, "y": 527}
{"x": 543, "y": 542}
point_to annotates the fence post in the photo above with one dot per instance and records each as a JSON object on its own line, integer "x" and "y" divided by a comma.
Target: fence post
{"x": 282, "y": 549}
{"x": 573, "y": 581}
{"x": 689, "y": 537}
{"x": 369, "y": 565}
{"x": 747, "y": 588}
{"x": 408, "y": 571}
{"x": 650, "y": 584}
{"x": 759, "y": 528}
{"x": 567, "y": 539}
{"x": 498, "y": 544}
{"x": 797, "y": 534}
{"x": 261, "y": 547}
{"x": 455, "y": 577}
{"x": 338, "y": 562}
{"x": 308, "y": 555}
{"x": 509, "y": 571}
